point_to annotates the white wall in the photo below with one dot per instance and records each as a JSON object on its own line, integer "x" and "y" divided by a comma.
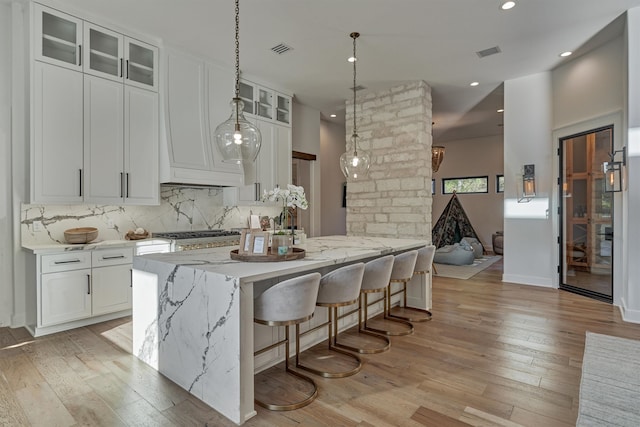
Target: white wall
{"x": 528, "y": 236}
{"x": 306, "y": 139}
{"x": 332, "y": 145}
{"x": 590, "y": 85}
{"x": 6, "y": 215}
{"x": 473, "y": 157}
{"x": 588, "y": 93}
{"x": 631, "y": 201}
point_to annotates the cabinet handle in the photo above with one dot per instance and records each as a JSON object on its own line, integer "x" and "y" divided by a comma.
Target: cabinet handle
{"x": 121, "y": 71}
{"x": 113, "y": 257}
{"x": 121, "y": 184}
{"x": 88, "y": 284}
{"x": 127, "y": 183}
{"x": 80, "y": 55}
{"x": 71, "y": 261}
{"x": 255, "y": 191}
{"x": 127, "y": 69}
{"x": 80, "y": 171}
{"x": 255, "y": 108}
{"x": 131, "y": 277}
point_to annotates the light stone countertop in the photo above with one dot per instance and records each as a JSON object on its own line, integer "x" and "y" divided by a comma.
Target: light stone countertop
{"x": 54, "y": 248}
{"x": 320, "y": 252}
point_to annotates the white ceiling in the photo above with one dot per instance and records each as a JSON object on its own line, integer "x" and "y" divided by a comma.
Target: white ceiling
{"x": 401, "y": 40}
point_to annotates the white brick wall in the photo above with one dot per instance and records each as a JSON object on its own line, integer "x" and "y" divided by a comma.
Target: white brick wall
{"x": 394, "y": 125}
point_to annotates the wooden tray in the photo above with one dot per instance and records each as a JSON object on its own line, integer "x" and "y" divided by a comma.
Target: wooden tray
{"x": 296, "y": 254}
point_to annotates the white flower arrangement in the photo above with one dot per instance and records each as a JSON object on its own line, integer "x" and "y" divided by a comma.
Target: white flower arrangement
{"x": 292, "y": 197}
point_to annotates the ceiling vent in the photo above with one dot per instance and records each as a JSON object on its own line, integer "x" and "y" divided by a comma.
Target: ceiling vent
{"x": 357, "y": 88}
{"x": 488, "y": 52}
{"x": 281, "y": 48}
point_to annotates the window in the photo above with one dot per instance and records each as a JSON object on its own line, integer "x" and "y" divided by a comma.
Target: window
{"x": 472, "y": 184}
{"x": 499, "y": 183}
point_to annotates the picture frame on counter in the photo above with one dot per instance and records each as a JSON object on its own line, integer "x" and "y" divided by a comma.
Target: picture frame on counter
{"x": 259, "y": 242}
{"x": 245, "y": 242}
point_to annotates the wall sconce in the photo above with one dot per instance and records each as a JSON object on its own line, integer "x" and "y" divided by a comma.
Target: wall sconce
{"x": 437, "y": 156}
{"x": 613, "y": 172}
{"x": 528, "y": 184}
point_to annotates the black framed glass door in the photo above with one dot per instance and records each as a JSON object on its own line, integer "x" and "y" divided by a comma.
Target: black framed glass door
{"x": 586, "y": 243}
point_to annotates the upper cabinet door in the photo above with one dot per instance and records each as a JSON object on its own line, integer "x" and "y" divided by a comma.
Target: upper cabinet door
{"x": 140, "y": 64}
{"x": 283, "y": 109}
{"x": 103, "y": 53}
{"x": 57, "y": 166}
{"x": 264, "y": 106}
{"x": 58, "y": 38}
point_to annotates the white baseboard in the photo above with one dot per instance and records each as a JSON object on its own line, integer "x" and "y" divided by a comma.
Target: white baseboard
{"x": 544, "y": 282}
{"x": 628, "y": 315}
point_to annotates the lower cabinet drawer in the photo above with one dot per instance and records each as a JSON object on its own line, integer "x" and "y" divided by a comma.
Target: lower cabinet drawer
{"x": 73, "y": 260}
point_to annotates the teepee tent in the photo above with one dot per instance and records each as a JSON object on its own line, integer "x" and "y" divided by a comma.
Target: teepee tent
{"x": 452, "y": 225}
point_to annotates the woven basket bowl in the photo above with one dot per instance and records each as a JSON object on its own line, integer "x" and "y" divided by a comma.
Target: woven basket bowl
{"x": 80, "y": 235}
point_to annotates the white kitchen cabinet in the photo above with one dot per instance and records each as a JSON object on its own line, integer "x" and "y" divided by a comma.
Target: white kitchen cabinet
{"x": 271, "y": 169}
{"x": 57, "y": 156}
{"x": 65, "y": 296}
{"x": 193, "y": 108}
{"x": 65, "y": 288}
{"x": 264, "y": 103}
{"x": 141, "y": 185}
{"x": 57, "y": 38}
{"x": 114, "y": 56}
{"x": 120, "y": 143}
{"x": 111, "y": 280}
{"x": 103, "y": 140}
{"x": 76, "y": 288}
{"x": 115, "y": 135}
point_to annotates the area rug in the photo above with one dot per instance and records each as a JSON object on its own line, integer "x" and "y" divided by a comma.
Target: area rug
{"x": 465, "y": 271}
{"x": 610, "y": 384}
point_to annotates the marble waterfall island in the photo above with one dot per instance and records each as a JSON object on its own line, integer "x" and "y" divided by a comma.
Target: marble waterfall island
{"x": 193, "y": 312}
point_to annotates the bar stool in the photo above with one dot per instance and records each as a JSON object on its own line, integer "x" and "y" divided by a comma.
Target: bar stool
{"x": 423, "y": 266}
{"x": 398, "y": 262}
{"x": 339, "y": 288}
{"x": 289, "y": 302}
{"x": 376, "y": 277}
{"x": 403, "y": 267}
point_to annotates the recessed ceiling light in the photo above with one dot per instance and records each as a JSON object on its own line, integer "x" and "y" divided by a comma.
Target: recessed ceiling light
{"x": 500, "y": 110}
{"x": 474, "y": 84}
{"x": 333, "y": 115}
{"x": 507, "y": 5}
{"x": 565, "y": 54}
{"x": 352, "y": 59}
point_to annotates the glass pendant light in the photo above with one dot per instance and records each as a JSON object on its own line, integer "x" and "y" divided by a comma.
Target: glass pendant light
{"x": 238, "y": 140}
{"x": 355, "y": 165}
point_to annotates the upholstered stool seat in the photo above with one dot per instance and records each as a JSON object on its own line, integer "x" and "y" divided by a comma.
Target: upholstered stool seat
{"x": 402, "y": 267}
{"x": 376, "y": 277}
{"x": 423, "y": 265}
{"x": 289, "y": 302}
{"x": 339, "y": 288}
{"x": 402, "y": 272}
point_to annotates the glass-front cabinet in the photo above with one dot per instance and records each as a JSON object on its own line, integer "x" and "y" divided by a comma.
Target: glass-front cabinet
{"x": 117, "y": 57}
{"x": 59, "y": 40}
{"x": 265, "y": 103}
{"x": 70, "y": 42}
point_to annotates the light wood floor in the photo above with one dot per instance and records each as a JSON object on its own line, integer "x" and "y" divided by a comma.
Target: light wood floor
{"x": 494, "y": 354}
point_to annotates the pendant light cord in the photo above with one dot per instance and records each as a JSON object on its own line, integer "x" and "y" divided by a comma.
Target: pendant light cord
{"x": 237, "y": 48}
{"x": 237, "y": 63}
{"x": 355, "y": 132}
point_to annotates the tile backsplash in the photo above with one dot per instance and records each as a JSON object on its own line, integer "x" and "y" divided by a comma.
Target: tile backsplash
{"x": 181, "y": 208}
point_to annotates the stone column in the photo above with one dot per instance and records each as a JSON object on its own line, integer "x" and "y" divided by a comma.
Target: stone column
{"x": 394, "y": 125}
